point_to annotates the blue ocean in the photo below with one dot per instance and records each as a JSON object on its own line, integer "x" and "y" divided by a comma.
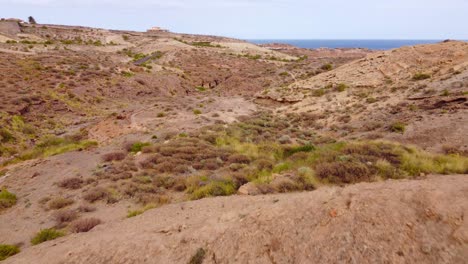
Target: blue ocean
{"x": 348, "y": 43}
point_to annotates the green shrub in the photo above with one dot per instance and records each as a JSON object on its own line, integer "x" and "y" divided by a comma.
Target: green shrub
{"x": 7, "y": 199}
{"x": 213, "y": 188}
{"x": 134, "y": 213}
{"x": 327, "y": 67}
{"x": 421, "y": 76}
{"x": 200, "y": 88}
{"x": 136, "y": 147}
{"x": 46, "y": 235}
{"x": 289, "y": 151}
{"x": 6, "y": 136}
{"x": 398, "y": 127}
{"x": 197, "y": 111}
{"x": 198, "y": 257}
{"x": 318, "y": 92}
{"x": 7, "y": 251}
{"x": 127, "y": 74}
{"x": 341, "y": 87}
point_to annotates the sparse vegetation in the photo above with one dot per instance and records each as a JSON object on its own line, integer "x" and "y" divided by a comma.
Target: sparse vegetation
{"x": 46, "y": 235}
{"x": 51, "y": 145}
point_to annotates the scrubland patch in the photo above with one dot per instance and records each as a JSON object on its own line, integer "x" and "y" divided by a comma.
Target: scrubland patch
{"x": 217, "y": 160}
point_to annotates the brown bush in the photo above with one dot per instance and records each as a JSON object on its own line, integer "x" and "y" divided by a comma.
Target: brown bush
{"x": 84, "y": 225}
{"x": 342, "y": 172}
{"x": 96, "y": 194}
{"x": 71, "y": 183}
{"x": 59, "y": 202}
{"x": 210, "y": 164}
{"x": 150, "y": 161}
{"x": 169, "y": 165}
{"x": 64, "y": 216}
{"x": 238, "y": 158}
{"x": 113, "y": 156}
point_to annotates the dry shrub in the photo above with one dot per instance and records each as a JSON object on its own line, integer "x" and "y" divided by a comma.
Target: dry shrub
{"x": 284, "y": 184}
{"x": 170, "y": 165}
{"x": 64, "y": 216}
{"x": 210, "y": 164}
{"x": 149, "y": 161}
{"x": 60, "y": 202}
{"x": 96, "y": 194}
{"x": 342, "y": 172}
{"x": 150, "y": 149}
{"x": 121, "y": 176}
{"x": 71, "y": 183}
{"x": 113, "y": 156}
{"x": 86, "y": 208}
{"x": 84, "y": 225}
{"x": 263, "y": 164}
{"x": 239, "y": 178}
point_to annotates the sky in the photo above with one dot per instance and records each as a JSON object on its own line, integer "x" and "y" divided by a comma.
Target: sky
{"x": 259, "y": 19}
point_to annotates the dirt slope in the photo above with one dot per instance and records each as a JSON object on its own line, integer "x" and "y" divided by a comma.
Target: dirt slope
{"x": 420, "y": 221}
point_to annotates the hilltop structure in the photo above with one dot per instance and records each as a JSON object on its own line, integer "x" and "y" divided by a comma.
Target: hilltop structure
{"x": 157, "y": 29}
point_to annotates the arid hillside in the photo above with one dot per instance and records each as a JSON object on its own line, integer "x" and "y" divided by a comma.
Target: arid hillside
{"x": 413, "y": 95}
{"x": 105, "y": 130}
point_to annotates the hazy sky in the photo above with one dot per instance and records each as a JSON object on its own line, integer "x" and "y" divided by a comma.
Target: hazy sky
{"x": 293, "y": 19}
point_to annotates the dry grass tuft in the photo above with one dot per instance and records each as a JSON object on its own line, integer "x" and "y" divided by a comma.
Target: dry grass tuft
{"x": 59, "y": 203}
{"x": 84, "y": 225}
{"x": 96, "y": 194}
{"x": 71, "y": 183}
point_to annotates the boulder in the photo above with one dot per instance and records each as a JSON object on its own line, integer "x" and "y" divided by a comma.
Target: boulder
{"x": 248, "y": 189}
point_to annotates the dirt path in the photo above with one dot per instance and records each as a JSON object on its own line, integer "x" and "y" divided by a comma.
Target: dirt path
{"x": 419, "y": 221}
